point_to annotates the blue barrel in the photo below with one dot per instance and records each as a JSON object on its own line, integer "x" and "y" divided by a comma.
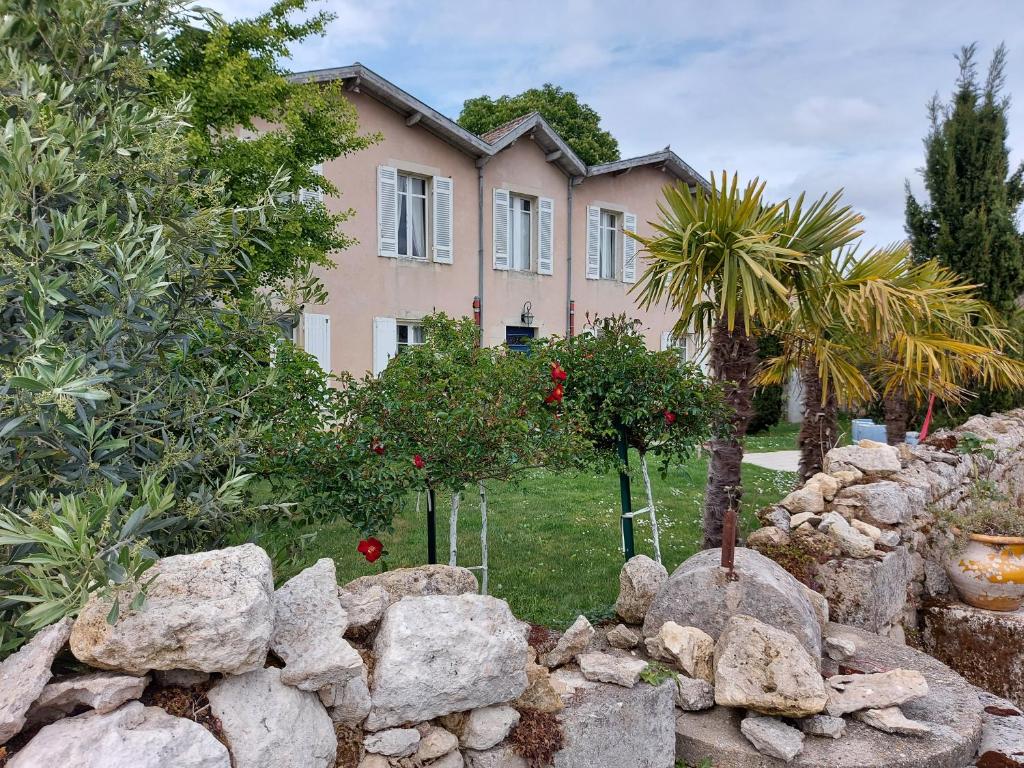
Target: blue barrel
{"x": 857, "y": 427}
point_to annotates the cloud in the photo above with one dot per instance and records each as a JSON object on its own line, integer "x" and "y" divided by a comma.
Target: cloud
{"x": 809, "y": 95}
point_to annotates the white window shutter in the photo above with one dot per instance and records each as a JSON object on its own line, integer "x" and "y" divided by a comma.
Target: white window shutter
{"x": 546, "y": 236}
{"x": 593, "y": 243}
{"x": 387, "y": 211}
{"x": 317, "y": 337}
{"x": 385, "y": 342}
{"x": 500, "y": 226}
{"x": 666, "y": 340}
{"x": 443, "y": 196}
{"x": 628, "y": 248}
{"x": 312, "y": 195}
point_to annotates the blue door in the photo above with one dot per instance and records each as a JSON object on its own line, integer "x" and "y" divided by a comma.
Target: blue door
{"x": 518, "y": 337}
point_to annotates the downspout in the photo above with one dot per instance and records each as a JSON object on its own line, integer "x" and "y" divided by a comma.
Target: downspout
{"x": 480, "y": 163}
{"x": 569, "y": 310}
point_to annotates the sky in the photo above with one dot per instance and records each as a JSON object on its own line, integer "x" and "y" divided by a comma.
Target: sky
{"x": 808, "y": 96}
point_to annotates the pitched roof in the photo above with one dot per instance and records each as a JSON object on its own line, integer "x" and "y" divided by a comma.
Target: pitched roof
{"x": 362, "y": 78}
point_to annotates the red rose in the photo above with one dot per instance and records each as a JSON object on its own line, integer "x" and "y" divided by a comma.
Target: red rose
{"x": 377, "y": 447}
{"x": 371, "y": 549}
{"x": 556, "y": 395}
{"x": 670, "y": 418}
{"x": 418, "y": 461}
{"x": 558, "y": 373}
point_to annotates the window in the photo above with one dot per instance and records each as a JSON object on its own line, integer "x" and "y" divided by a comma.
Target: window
{"x": 518, "y": 337}
{"x": 520, "y": 217}
{"x": 609, "y": 231}
{"x": 409, "y": 335}
{"x": 412, "y": 216}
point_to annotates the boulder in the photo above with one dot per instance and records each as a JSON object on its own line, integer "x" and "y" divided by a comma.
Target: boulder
{"x": 691, "y": 649}
{"x": 823, "y": 725}
{"x": 102, "y": 691}
{"x": 607, "y": 725}
{"x": 348, "y": 703}
{"x": 694, "y": 695}
{"x": 878, "y": 460}
{"x": 606, "y": 668}
{"x": 422, "y": 641}
{"x": 622, "y": 637}
{"x": 701, "y": 594}
{"x": 892, "y": 720}
{"x": 574, "y": 642}
{"x": 487, "y": 727}
{"x": 766, "y": 670}
{"x": 24, "y": 675}
{"x": 851, "y": 542}
{"x": 394, "y": 742}
{"x": 436, "y": 743}
{"x": 132, "y": 736}
{"x": 365, "y": 608}
{"x": 870, "y": 594}
{"x": 883, "y": 502}
{"x": 268, "y": 724}
{"x": 309, "y": 629}
{"x": 211, "y": 611}
{"x": 540, "y": 694}
{"x": 773, "y": 737}
{"x": 639, "y": 581}
{"x": 850, "y": 693}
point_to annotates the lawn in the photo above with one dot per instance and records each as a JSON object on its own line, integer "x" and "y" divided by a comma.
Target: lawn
{"x": 554, "y": 538}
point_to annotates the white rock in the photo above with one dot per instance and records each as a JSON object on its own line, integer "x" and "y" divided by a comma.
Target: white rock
{"x": 892, "y": 720}
{"x": 639, "y": 581}
{"x": 365, "y": 608}
{"x": 374, "y": 761}
{"x": 539, "y": 694}
{"x": 566, "y": 682}
{"x": 309, "y": 629}
{"x": 884, "y": 502}
{"x": 852, "y": 542}
{"x": 807, "y": 498}
{"x": 23, "y": 676}
{"x": 873, "y": 532}
{"x": 766, "y": 670}
{"x": 488, "y": 726}
{"x": 394, "y": 742}
{"x": 805, "y": 517}
{"x": 773, "y": 737}
{"x": 850, "y": 693}
{"x": 823, "y": 725}
{"x": 839, "y": 647}
{"x": 211, "y": 611}
{"x": 605, "y": 668}
{"x": 451, "y": 760}
{"x": 503, "y": 756}
{"x": 349, "y": 703}
{"x": 692, "y": 649}
{"x": 878, "y": 460}
{"x": 767, "y": 537}
{"x": 828, "y": 485}
{"x": 622, "y": 637}
{"x": 269, "y": 724}
{"x": 694, "y": 695}
{"x": 181, "y": 678}
{"x": 436, "y": 742}
{"x": 132, "y": 736}
{"x": 423, "y": 641}
{"x": 574, "y": 642}
{"x": 779, "y": 517}
{"x": 102, "y": 691}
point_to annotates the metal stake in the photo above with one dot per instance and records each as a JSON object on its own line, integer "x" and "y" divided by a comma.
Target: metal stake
{"x": 625, "y": 497}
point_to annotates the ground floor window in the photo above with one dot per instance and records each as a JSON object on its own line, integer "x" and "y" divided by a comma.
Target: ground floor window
{"x": 409, "y": 335}
{"x": 518, "y": 337}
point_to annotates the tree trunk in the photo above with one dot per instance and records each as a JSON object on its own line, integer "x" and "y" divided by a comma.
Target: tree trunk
{"x": 819, "y": 432}
{"x": 733, "y": 363}
{"x": 897, "y": 417}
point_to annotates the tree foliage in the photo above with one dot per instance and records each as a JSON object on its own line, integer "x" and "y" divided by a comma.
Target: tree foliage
{"x": 577, "y": 123}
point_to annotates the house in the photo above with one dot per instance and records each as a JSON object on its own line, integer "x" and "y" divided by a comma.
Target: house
{"x": 511, "y": 226}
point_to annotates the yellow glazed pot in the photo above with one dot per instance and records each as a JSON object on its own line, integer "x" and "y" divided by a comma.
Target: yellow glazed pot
{"x": 989, "y": 572}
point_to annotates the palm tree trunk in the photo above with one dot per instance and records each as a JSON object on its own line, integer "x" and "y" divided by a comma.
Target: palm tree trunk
{"x": 897, "y": 416}
{"x": 733, "y": 363}
{"x": 819, "y": 432}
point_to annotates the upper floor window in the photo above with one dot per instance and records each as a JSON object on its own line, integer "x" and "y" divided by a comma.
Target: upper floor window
{"x": 523, "y": 225}
{"x": 412, "y": 216}
{"x": 611, "y": 252}
{"x": 608, "y": 240}
{"x": 520, "y": 211}
{"x": 414, "y": 212}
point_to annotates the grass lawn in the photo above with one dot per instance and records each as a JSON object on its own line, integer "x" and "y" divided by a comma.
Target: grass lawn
{"x": 554, "y": 538}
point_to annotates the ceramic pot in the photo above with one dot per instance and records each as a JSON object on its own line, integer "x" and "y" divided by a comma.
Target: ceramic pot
{"x": 989, "y": 572}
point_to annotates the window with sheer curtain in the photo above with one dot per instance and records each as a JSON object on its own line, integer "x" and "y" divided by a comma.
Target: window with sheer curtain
{"x": 412, "y": 216}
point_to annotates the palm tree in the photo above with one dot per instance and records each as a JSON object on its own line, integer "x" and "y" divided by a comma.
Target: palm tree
{"x": 725, "y": 259}
{"x": 879, "y": 323}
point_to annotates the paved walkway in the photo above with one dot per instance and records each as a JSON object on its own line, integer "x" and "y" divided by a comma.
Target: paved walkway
{"x": 780, "y": 461}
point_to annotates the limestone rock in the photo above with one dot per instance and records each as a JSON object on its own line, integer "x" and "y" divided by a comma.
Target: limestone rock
{"x": 605, "y": 668}
{"x": 766, "y": 670}
{"x": 873, "y": 532}
{"x": 540, "y": 694}
{"x": 309, "y": 629}
{"x": 892, "y": 720}
{"x": 348, "y": 703}
{"x": 700, "y": 594}
{"x": 421, "y": 581}
{"x": 623, "y": 637}
{"x": 779, "y": 517}
{"x": 847, "y": 476}
{"x": 102, "y": 691}
{"x": 500, "y": 757}
{"x": 807, "y": 498}
{"x": 394, "y": 742}
{"x": 615, "y": 727}
{"x": 1002, "y": 738}
{"x": 692, "y": 649}
{"x": 567, "y": 682}
{"x": 181, "y": 678}
{"x": 268, "y": 724}
{"x": 773, "y": 737}
{"x": 451, "y": 760}
{"x": 828, "y": 485}
{"x": 422, "y": 640}
{"x": 211, "y": 611}
{"x": 840, "y": 648}
{"x": 374, "y": 761}
{"x": 488, "y": 726}
{"x": 852, "y": 542}
{"x": 870, "y": 593}
{"x": 820, "y": 605}
{"x": 639, "y": 581}
{"x": 574, "y": 642}
{"x": 878, "y": 460}
{"x": 436, "y": 742}
{"x": 883, "y": 502}
{"x": 694, "y": 695}
{"x": 365, "y": 608}
{"x": 767, "y": 537}
{"x": 805, "y": 517}
{"x": 132, "y": 736}
{"x": 24, "y": 674}
{"x": 850, "y": 693}
{"x": 823, "y": 725}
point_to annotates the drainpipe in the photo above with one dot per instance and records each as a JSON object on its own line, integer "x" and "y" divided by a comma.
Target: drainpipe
{"x": 480, "y": 163}
{"x": 570, "y": 309}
